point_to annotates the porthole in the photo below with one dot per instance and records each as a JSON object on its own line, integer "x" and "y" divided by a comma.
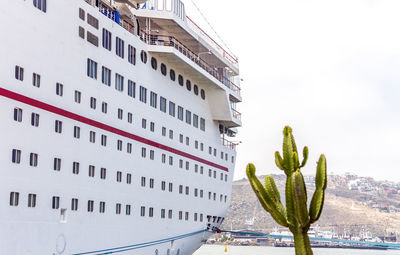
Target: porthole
{"x": 163, "y": 69}
{"x": 203, "y": 94}
{"x": 180, "y": 80}
{"x": 143, "y": 56}
{"x": 188, "y": 85}
{"x": 154, "y": 63}
{"x": 172, "y": 75}
{"x": 196, "y": 89}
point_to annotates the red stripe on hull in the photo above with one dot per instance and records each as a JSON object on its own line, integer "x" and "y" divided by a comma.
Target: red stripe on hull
{"x": 38, "y": 104}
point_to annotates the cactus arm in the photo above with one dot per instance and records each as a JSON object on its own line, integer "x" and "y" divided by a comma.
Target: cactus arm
{"x": 279, "y": 161}
{"x": 293, "y": 142}
{"x": 305, "y": 157}
{"x": 296, "y": 160}
{"x": 270, "y": 205}
{"x": 300, "y": 199}
{"x": 288, "y": 150}
{"x": 321, "y": 178}
{"x": 317, "y": 202}
{"x": 290, "y": 211}
{"x": 271, "y": 187}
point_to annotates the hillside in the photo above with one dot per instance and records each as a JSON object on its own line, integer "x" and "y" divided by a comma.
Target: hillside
{"x": 352, "y": 203}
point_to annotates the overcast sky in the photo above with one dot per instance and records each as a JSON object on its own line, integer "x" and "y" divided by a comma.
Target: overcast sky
{"x": 329, "y": 69}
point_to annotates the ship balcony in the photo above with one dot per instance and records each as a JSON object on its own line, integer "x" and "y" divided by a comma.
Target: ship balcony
{"x": 167, "y": 45}
{"x": 228, "y": 144}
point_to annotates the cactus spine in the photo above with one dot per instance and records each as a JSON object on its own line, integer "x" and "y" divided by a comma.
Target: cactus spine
{"x": 296, "y": 216}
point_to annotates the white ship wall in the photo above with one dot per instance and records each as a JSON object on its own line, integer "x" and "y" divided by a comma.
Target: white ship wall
{"x": 48, "y": 44}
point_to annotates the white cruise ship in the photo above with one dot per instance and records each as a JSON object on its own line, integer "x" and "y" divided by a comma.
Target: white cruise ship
{"x": 117, "y": 120}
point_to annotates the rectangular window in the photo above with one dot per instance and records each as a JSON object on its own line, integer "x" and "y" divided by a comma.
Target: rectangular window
{"x": 143, "y": 181}
{"x": 196, "y": 168}
{"x": 119, "y": 82}
{"x": 163, "y": 184}
{"x": 119, "y": 176}
{"x": 196, "y": 191}
{"x": 36, "y": 80}
{"x": 131, "y": 89}
{"x": 201, "y": 170}
{"x": 187, "y": 141}
{"x": 33, "y": 159}
{"x": 132, "y": 55}
{"x": 151, "y": 212}
{"x": 119, "y": 47}
{"x": 215, "y": 152}
{"x": 164, "y": 131}
{"x": 129, "y": 148}
{"x": 169, "y": 214}
{"x": 92, "y": 137}
{"x": 152, "y": 126}
{"x": 102, "y": 207}
{"x": 195, "y": 216}
{"x": 180, "y": 215}
{"x": 201, "y": 217}
{"x": 163, "y": 158}
{"x": 106, "y": 39}
{"x": 172, "y": 109}
{"x": 170, "y": 187}
{"x": 106, "y": 76}
{"x": 78, "y": 96}
{"x": 201, "y": 193}
{"x": 92, "y": 170}
{"x": 119, "y": 145}
{"x": 153, "y": 99}
{"x": 92, "y": 21}
{"x": 103, "y": 173}
{"x": 59, "y": 89}
{"x": 186, "y": 215}
{"x": 18, "y": 114}
{"x": 120, "y": 113}
{"x": 181, "y": 138}
{"x": 35, "y": 119}
{"x": 128, "y": 209}
{"x": 77, "y": 132}
{"x": 142, "y": 211}
{"x": 75, "y": 168}
{"x": 92, "y": 39}
{"x": 130, "y": 117}
{"x": 31, "y": 200}
{"x": 151, "y": 154}
{"x": 40, "y": 4}
{"x": 129, "y": 178}
{"x": 104, "y": 107}
{"x": 92, "y": 69}
{"x": 180, "y": 189}
{"x": 195, "y": 121}
{"x": 202, "y": 124}
{"x": 16, "y": 156}
{"x": 93, "y": 103}
{"x": 19, "y": 73}
{"x": 103, "y": 140}
{"x": 171, "y": 160}
{"x": 171, "y": 134}
{"x": 144, "y": 122}
{"x": 187, "y": 190}
{"x": 180, "y": 163}
{"x": 188, "y": 117}
{"x": 202, "y": 146}
{"x": 151, "y": 183}
{"x": 58, "y": 126}
{"x": 162, "y": 213}
{"x": 143, "y": 94}
{"x": 163, "y": 104}
{"x": 90, "y": 206}
{"x": 180, "y": 113}
{"x": 55, "y": 202}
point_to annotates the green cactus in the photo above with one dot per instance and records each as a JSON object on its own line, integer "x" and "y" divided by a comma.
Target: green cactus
{"x": 296, "y": 216}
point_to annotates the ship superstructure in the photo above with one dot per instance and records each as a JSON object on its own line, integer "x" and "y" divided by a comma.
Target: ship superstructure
{"x": 116, "y": 120}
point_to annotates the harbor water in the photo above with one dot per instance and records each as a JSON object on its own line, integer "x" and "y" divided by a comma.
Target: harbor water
{"x": 257, "y": 250}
